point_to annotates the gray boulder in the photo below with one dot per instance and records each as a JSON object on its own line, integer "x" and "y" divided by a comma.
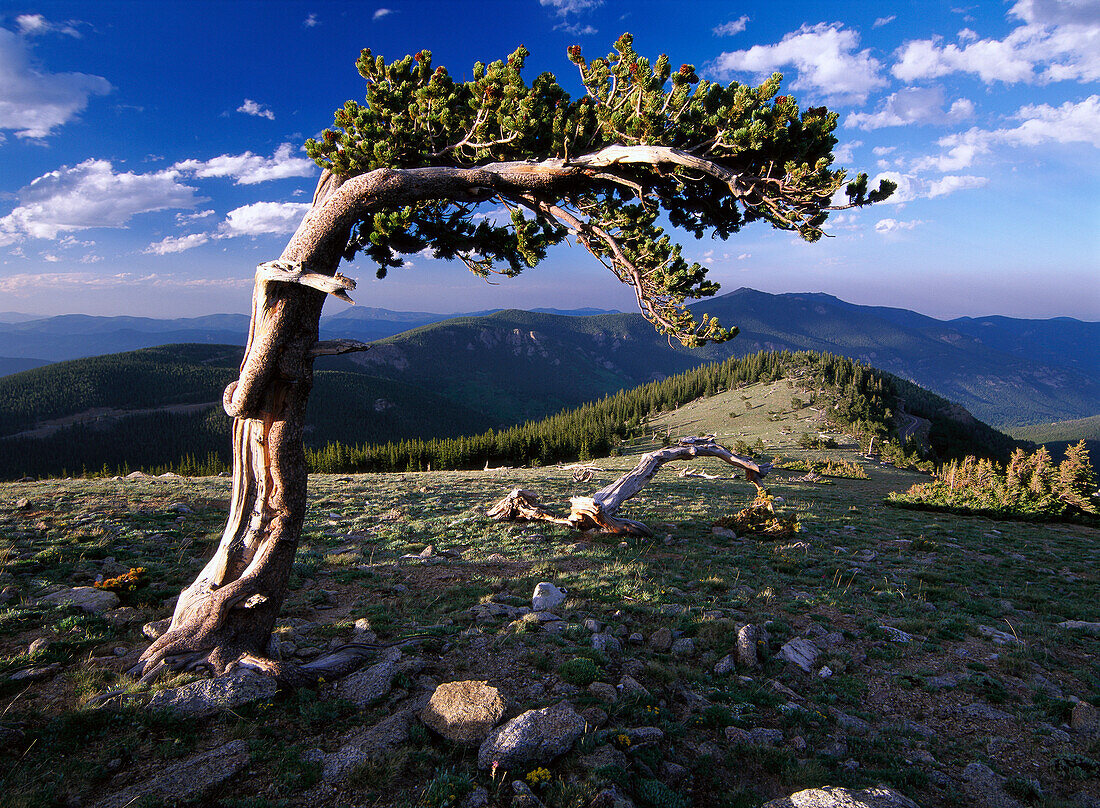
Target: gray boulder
{"x": 366, "y": 686}
{"x": 746, "y": 654}
{"x": 464, "y": 712}
{"x": 800, "y": 653}
{"x": 367, "y": 744}
{"x": 536, "y": 735}
{"x": 835, "y": 797}
{"x": 210, "y": 696}
{"x": 547, "y": 597}
{"x": 186, "y": 780}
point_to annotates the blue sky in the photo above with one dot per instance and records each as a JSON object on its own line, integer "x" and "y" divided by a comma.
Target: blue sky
{"x": 150, "y": 152}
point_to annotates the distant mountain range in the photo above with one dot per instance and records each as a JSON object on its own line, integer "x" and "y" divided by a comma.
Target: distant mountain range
{"x": 513, "y": 365}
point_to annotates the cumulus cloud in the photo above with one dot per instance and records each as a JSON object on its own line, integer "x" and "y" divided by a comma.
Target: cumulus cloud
{"x": 262, "y": 218}
{"x": 913, "y": 105}
{"x": 174, "y": 244}
{"x": 733, "y": 27}
{"x": 91, "y": 194}
{"x": 826, "y": 57}
{"x": 34, "y": 102}
{"x": 1059, "y": 40}
{"x": 1072, "y": 122}
{"x": 249, "y": 168}
{"x": 914, "y": 186}
{"x": 845, "y": 152}
{"x": 250, "y": 107}
{"x": 895, "y": 226}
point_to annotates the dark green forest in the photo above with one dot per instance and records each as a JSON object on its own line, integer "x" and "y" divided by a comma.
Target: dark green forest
{"x": 427, "y": 433}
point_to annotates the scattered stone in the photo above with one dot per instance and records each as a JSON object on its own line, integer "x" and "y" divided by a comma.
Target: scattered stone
{"x": 985, "y": 787}
{"x": 801, "y": 653}
{"x": 536, "y": 735}
{"x": 1085, "y": 719}
{"x": 23, "y": 504}
{"x": 85, "y": 598}
{"x": 35, "y": 673}
{"x": 593, "y": 717}
{"x": 723, "y": 533}
{"x": 593, "y": 626}
{"x": 629, "y": 686}
{"x": 849, "y": 723}
{"x": 896, "y": 634}
{"x": 747, "y": 639}
{"x": 946, "y": 681}
{"x": 523, "y": 796}
{"x": 180, "y": 507}
{"x": 764, "y": 736}
{"x": 604, "y": 691}
{"x": 683, "y": 647}
{"x": 605, "y": 757}
{"x": 644, "y": 736}
{"x": 607, "y": 644}
{"x": 366, "y": 686}
{"x": 367, "y": 744}
{"x": 156, "y": 629}
{"x": 41, "y": 644}
{"x": 464, "y": 712}
{"x": 986, "y": 713}
{"x": 661, "y": 639}
{"x": 999, "y": 637}
{"x": 136, "y": 475}
{"x": 611, "y": 797}
{"x": 825, "y": 672}
{"x": 835, "y": 797}
{"x": 1080, "y": 625}
{"x": 636, "y": 638}
{"x": 186, "y": 780}
{"x": 478, "y": 798}
{"x": 123, "y": 615}
{"x": 210, "y": 696}
{"x": 547, "y": 597}
{"x": 726, "y": 665}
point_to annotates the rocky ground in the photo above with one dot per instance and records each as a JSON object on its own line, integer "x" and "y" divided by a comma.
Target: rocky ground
{"x": 940, "y": 659}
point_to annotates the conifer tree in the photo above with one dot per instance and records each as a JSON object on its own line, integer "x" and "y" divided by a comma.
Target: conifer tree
{"x": 415, "y": 167}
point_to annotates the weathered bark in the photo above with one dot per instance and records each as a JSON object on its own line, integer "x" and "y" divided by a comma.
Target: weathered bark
{"x": 598, "y": 511}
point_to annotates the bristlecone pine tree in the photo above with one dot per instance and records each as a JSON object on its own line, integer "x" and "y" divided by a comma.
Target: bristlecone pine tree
{"x": 416, "y": 167}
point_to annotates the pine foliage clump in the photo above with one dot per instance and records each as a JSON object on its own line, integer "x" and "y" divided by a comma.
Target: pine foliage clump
{"x": 1030, "y": 486}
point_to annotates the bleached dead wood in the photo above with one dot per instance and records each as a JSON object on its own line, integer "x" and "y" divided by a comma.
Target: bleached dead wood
{"x": 598, "y": 511}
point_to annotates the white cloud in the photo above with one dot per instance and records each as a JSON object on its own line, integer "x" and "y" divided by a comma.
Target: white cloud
{"x": 173, "y": 244}
{"x": 34, "y": 102}
{"x": 261, "y": 218}
{"x": 563, "y": 7}
{"x": 881, "y": 21}
{"x": 576, "y": 29}
{"x": 1072, "y": 122}
{"x": 913, "y": 105}
{"x": 733, "y": 27}
{"x": 382, "y": 12}
{"x": 249, "y": 168}
{"x": 951, "y": 183}
{"x": 89, "y": 195}
{"x": 844, "y": 153}
{"x": 311, "y": 21}
{"x": 183, "y": 218}
{"x": 24, "y": 283}
{"x": 825, "y": 56}
{"x": 912, "y": 186}
{"x": 250, "y": 107}
{"x": 36, "y": 25}
{"x": 894, "y": 226}
{"x": 1059, "y": 40}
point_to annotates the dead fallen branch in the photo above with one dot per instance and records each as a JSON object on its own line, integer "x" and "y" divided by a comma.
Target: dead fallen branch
{"x": 597, "y": 512}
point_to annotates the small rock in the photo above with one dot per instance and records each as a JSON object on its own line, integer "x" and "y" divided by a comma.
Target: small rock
{"x": 156, "y": 629}
{"x": 835, "y": 797}
{"x": 896, "y": 634}
{"x": 825, "y": 672}
{"x": 523, "y": 797}
{"x": 629, "y": 686}
{"x": 547, "y": 597}
{"x": 593, "y": 626}
{"x": 985, "y": 787}
{"x": 723, "y": 533}
{"x": 478, "y": 798}
{"x": 364, "y": 687}
{"x": 367, "y": 744}
{"x": 644, "y": 736}
{"x": 35, "y": 673}
{"x": 747, "y": 654}
{"x": 764, "y": 736}
{"x": 726, "y": 665}
{"x": 464, "y": 712}
{"x": 1085, "y": 719}
{"x": 683, "y": 647}
{"x": 536, "y": 735}
{"x": 604, "y": 691}
{"x": 661, "y": 640}
{"x": 801, "y": 653}
{"x": 607, "y": 644}
{"x": 23, "y": 504}
{"x": 849, "y": 723}
{"x": 605, "y": 757}
{"x": 39, "y": 645}
{"x": 593, "y": 717}
{"x": 1080, "y": 625}
{"x": 999, "y": 637}
{"x": 636, "y": 638}
{"x": 85, "y": 598}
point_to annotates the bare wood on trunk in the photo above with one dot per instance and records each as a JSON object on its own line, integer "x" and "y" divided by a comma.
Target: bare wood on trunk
{"x": 598, "y": 511}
